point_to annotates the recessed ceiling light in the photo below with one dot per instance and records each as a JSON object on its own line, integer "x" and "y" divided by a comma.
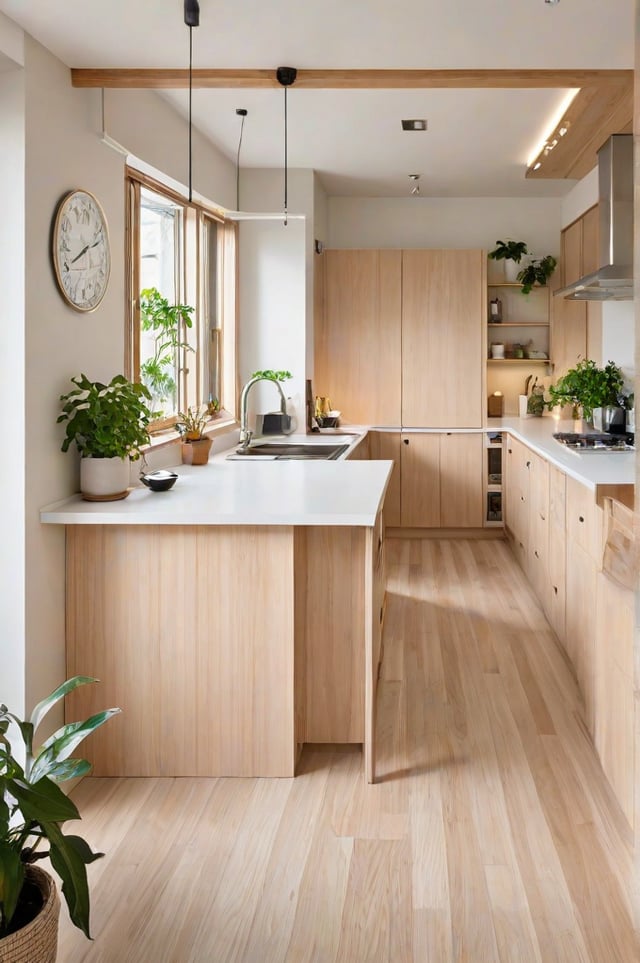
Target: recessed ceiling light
{"x": 414, "y": 124}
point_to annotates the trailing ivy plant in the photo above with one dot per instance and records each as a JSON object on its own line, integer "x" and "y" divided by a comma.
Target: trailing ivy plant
{"x": 587, "y": 386}
{"x": 33, "y": 808}
{"x": 164, "y": 321}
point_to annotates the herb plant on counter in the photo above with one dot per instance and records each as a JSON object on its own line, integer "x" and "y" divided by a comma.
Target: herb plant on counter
{"x": 587, "y": 386}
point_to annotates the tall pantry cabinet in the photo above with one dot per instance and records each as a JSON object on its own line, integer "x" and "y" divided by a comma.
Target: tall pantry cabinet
{"x": 399, "y": 343}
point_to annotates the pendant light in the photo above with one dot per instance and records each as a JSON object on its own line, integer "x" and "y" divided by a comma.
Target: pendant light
{"x": 286, "y": 76}
{"x": 191, "y": 19}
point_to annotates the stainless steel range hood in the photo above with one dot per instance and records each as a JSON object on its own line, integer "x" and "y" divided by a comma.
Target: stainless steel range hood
{"x": 613, "y": 281}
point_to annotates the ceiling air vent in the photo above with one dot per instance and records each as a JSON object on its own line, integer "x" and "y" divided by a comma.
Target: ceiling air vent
{"x": 414, "y": 124}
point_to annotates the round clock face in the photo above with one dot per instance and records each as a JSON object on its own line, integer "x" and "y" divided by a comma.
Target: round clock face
{"x": 81, "y": 250}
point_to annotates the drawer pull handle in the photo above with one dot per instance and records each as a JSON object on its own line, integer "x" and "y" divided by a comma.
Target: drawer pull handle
{"x": 381, "y": 614}
{"x": 406, "y": 441}
{"x": 528, "y": 464}
{"x": 555, "y": 589}
{"x": 580, "y": 518}
{"x": 543, "y": 517}
{"x": 535, "y": 552}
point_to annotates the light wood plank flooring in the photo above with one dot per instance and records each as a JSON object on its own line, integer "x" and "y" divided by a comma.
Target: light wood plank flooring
{"x": 490, "y": 836}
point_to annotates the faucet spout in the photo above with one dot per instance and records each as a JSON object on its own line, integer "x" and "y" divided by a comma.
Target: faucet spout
{"x": 245, "y": 432}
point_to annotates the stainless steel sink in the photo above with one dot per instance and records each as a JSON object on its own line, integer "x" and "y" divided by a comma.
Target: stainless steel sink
{"x": 293, "y": 452}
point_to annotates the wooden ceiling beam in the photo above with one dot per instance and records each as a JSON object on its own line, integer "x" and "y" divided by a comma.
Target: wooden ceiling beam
{"x": 594, "y": 114}
{"x": 157, "y": 79}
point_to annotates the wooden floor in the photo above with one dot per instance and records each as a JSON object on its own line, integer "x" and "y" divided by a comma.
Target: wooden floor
{"x": 491, "y": 834}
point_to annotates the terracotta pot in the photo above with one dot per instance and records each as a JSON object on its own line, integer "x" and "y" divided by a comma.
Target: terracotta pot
{"x": 104, "y": 478}
{"x": 37, "y": 942}
{"x": 196, "y": 452}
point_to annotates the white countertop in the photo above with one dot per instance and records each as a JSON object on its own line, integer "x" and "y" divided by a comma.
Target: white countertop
{"x": 256, "y": 492}
{"x": 590, "y": 468}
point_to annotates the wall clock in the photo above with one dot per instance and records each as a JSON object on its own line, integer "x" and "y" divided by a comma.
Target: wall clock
{"x": 81, "y": 254}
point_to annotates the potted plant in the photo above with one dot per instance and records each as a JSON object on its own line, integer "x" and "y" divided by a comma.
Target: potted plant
{"x": 195, "y": 446}
{"x": 587, "y": 387}
{"x": 538, "y": 271}
{"x": 163, "y": 322}
{"x": 32, "y": 810}
{"x": 511, "y": 252}
{"x": 108, "y": 424}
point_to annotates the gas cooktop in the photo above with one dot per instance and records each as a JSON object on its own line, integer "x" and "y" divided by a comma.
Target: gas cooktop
{"x": 595, "y": 441}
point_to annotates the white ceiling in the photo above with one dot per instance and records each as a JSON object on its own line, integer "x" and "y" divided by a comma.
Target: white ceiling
{"x": 478, "y": 141}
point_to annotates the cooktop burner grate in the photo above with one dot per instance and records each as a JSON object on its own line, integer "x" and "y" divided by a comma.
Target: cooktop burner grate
{"x": 595, "y": 441}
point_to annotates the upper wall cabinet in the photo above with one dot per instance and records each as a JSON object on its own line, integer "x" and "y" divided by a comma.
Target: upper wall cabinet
{"x": 443, "y": 295}
{"x": 357, "y": 335}
{"x": 576, "y": 323}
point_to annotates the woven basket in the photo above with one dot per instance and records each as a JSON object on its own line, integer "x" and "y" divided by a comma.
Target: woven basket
{"x": 38, "y": 941}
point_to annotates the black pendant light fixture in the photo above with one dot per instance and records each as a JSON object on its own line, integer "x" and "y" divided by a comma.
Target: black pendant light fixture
{"x": 191, "y": 19}
{"x": 286, "y": 76}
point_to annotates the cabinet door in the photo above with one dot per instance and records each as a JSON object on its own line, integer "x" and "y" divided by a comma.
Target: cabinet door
{"x": 461, "y": 489}
{"x": 572, "y": 252}
{"x": 443, "y": 305}
{"x": 569, "y": 334}
{"x": 580, "y": 622}
{"x": 538, "y": 546}
{"x": 556, "y": 589}
{"x": 357, "y": 336}
{"x": 590, "y": 240}
{"x": 385, "y": 446}
{"x": 420, "y": 480}
{"x": 518, "y": 462}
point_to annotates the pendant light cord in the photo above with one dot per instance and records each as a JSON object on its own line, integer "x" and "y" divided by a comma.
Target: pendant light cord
{"x": 241, "y": 113}
{"x": 190, "y": 97}
{"x": 286, "y": 163}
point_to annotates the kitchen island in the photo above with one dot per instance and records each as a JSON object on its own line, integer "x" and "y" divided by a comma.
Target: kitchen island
{"x": 233, "y": 618}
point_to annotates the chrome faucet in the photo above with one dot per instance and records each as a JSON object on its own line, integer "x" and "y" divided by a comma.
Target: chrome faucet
{"x": 245, "y": 432}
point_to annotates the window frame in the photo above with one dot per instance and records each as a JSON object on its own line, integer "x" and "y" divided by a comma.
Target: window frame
{"x": 193, "y": 371}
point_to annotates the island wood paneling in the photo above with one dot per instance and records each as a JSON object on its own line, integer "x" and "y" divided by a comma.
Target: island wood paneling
{"x": 191, "y": 637}
{"x": 443, "y": 304}
{"x": 357, "y": 337}
{"x": 331, "y": 601}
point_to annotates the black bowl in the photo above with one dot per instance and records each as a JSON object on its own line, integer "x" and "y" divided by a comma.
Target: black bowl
{"x": 159, "y": 481}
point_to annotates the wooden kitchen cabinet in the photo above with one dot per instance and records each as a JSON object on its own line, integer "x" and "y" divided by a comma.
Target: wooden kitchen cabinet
{"x": 572, "y": 320}
{"x": 420, "y": 480}
{"x": 461, "y": 480}
{"x": 518, "y": 458}
{"x": 357, "y": 335}
{"x": 580, "y": 622}
{"x": 538, "y": 542}
{"x": 385, "y": 446}
{"x": 441, "y": 480}
{"x": 443, "y": 307}
{"x": 554, "y": 601}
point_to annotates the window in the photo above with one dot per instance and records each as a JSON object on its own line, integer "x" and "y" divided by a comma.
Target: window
{"x": 181, "y": 325}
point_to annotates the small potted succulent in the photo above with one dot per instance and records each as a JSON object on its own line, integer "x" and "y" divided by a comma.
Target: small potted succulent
{"x": 32, "y": 811}
{"x": 195, "y": 445}
{"x": 108, "y": 424}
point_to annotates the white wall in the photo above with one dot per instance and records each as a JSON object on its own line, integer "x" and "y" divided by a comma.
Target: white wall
{"x": 62, "y": 149}
{"x": 583, "y": 196}
{"x": 618, "y": 337}
{"x": 276, "y": 285}
{"x": 432, "y": 222}
{"x": 12, "y": 389}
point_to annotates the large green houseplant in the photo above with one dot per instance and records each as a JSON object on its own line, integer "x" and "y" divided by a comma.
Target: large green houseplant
{"x": 537, "y": 271}
{"x": 586, "y": 387}
{"x": 108, "y": 424}
{"x": 33, "y": 810}
{"x": 164, "y": 322}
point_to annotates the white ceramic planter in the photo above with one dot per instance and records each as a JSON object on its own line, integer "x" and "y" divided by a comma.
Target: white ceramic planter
{"x": 511, "y": 269}
{"x": 104, "y": 477}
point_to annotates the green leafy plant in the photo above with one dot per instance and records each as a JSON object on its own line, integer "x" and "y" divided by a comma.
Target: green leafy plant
{"x": 273, "y": 375}
{"x": 538, "y": 271}
{"x": 587, "y": 386}
{"x": 509, "y": 251}
{"x": 33, "y": 807}
{"x": 106, "y": 421}
{"x": 192, "y": 421}
{"x": 165, "y": 322}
